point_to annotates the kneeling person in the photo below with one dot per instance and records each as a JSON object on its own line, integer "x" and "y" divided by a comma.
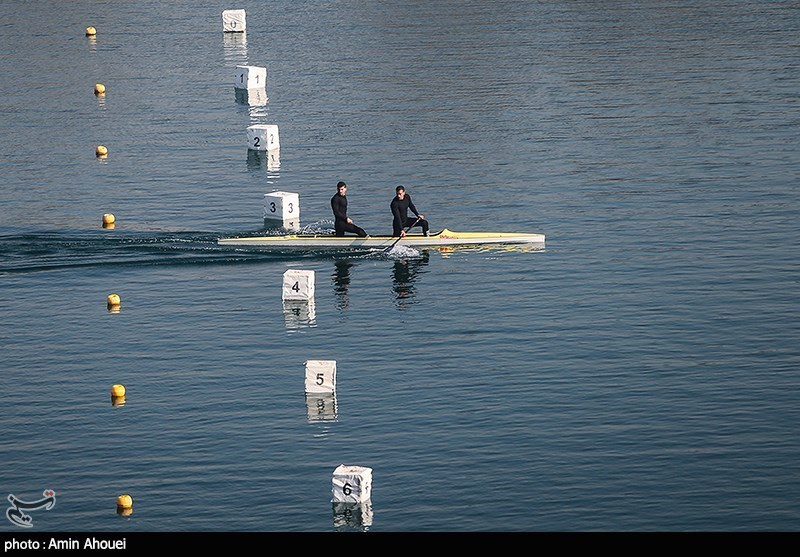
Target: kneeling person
{"x": 400, "y": 206}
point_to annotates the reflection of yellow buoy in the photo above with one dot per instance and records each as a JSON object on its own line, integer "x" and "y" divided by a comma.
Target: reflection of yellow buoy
{"x": 113, "y": 300}
{"x": 99, "y": 89}
{"x": 101, "y": 151}
{"x": 90, "y": 31}
{"x": 117, "y": 390}
{"x": 109, "y": 218}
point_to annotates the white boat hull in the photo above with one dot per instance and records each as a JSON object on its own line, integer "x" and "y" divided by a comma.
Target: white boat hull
{"x": 328, "y": 241}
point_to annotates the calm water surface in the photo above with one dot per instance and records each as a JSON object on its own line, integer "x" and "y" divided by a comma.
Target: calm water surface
{"x": 638, "y": 373}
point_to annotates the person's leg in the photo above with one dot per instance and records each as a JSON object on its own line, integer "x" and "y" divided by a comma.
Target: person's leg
{"x": 339, "y": 229}
{"x": 422, "y": 223}
{"x": 356, "y": 230}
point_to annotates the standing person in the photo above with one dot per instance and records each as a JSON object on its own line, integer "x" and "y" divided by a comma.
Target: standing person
{"x": 341, "y": 222}
{"x": 400, "y": 206}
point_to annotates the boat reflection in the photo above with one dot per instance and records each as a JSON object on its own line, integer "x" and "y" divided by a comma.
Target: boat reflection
{"x": 404, "y": 275}
{"x": 447, "y": 251}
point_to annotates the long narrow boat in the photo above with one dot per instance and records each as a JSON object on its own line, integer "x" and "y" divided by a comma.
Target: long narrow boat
{"x": 329, "y": 241}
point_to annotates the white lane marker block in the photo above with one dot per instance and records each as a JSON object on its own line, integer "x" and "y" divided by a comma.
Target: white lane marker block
{"x": 298, "y": 284}
{"x": 250, "y": 77}
{"x": 352, "y": 484}
{"x": 234, "y": 21}
{"x": 263, "y": 137}
{"x": 282, "y": 206}
{"x": 320, "y": 376}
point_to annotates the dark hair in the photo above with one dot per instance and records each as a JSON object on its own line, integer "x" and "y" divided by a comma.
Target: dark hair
{"x": 399, "y": 189}
{"x": 340, "y": 184}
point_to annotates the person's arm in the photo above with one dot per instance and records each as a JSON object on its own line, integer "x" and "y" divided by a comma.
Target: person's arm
{"x": 413, "y": 207}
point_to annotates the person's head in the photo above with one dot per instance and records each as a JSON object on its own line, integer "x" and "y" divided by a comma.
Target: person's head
{"x": 400, "y": 191}
{"x": 341, "y": 187}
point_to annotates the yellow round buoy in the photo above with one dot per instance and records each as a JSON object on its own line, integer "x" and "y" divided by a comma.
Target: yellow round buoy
{"x": 108, "y": 218}
{"x": 124, "y": 504}
{"x": 91, "y": 31}
{"x": 117, "y": 401}
{"x": 117, "y": 390}
{"x": 113, "y": 300}
{"x": 101, "y": 151}
{"x": 99, "y": 89}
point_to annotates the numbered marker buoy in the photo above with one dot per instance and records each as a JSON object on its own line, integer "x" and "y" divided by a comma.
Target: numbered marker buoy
{"x": 234, "y": 21}
{"x": 263, "y": 137}
{"x": 320, "y": 376}
{"x": 298, "y": 285}
{"x": 352, "y": 484}
{"x": 250, "y": 77}
{"x": 282, "y": 206}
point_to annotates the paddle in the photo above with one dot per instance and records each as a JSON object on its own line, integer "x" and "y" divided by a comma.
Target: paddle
{"x": 387, "y": 250}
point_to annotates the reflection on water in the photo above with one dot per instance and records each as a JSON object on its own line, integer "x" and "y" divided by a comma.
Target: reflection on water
{"x": 235, "y": 48}
{"x": 251, "y": 97}
{"x": 298, "y": 314}
{"x": 341, "y": 283}
{"x": 447, "y": 251}
{"x": 260, "y": 160}
{"x": 321, "y": 407}
{"x": 404, "y": 275}
{"x": 348, "y": 516}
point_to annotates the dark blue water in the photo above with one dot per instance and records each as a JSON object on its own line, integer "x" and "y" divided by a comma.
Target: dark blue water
{"x": 639, "y": 373}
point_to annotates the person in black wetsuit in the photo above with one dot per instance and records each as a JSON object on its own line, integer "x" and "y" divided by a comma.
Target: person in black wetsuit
{"x": 341, "y": 222}
{"x": 400, "y": 206}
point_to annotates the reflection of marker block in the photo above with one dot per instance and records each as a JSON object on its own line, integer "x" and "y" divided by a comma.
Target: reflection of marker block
{"x": 352, "y": 515}
{"x": 234, "y": 21}
{"x": 274, "y": 161}
{"x": 263, "y": 137}
{"x": 298, "y": 285}
{"x": 321, "y": 407}
{"x": 250, "y": 77}
{"x": 321, "y": 376}
{"x": 288, "y": 225}
{"x": 352, "y": 484}
{"x": 281, "y": 205}
{"x": 251, "y": 97}
{"x": 299, "y": 313}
